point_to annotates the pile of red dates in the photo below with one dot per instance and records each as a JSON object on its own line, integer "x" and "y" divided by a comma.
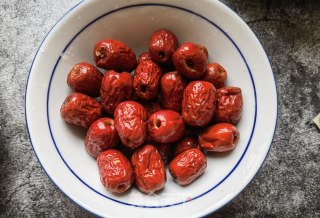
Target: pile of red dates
{"x": 173, "y": 110}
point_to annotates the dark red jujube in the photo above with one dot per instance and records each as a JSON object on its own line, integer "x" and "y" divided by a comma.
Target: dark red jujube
{"x": 191, "y": 60}
{"x": 85, "y": 78}
{"x": 112, "y": 54}
{"x": 115, "y": 88}
{"x": 229, "y": 105}
{"x": 102, "y": 135}
{"x": 80, "y": 109}
{"x": 146, "y": 80}
{"x": 199, "y": 103}
{"x": 131, "y": 123}
{"x": 172, "y": 86}
{"x": 188, "y": 166}
{"x": 216, "y": 75}
{"x": 116, "y": 173}
{"x": 166, "y": 126}
{"x": 221, "y": 137}
{"x": 149, "y": 169}
{"x": 162, "y": 45}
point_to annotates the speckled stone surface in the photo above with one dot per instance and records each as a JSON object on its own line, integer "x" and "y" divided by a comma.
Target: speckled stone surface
{"x": 287, "y": 185}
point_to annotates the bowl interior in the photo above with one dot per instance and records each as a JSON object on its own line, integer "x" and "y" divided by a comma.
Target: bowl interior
{"x": 134, "y": 26}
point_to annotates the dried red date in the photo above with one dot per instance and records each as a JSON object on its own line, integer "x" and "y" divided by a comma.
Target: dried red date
{"x": 162, "y": 45}
{"x": 146, "y": 80}
{"x": 198, "y": 103}
{"x": 172, "y": 87}
{"x": 85, "y": 78}
{"x": 115, "y": 170}
{"x": 216, "y": 75}
{"x": 130, "y": 121}
{"x": 112, "y": 54}
{"x": 144, "y": 57}
{"x": 80, "y": 109}
{"x": 188, "y": 166}
{"x": 191, "y": 60}
{"x": 221, "y": 137}
{"x": 183, "y": 145}
{"x": 166, "y": 126}
{"x": 229, "y": 105}
{"x": 115, "y": 88}
{"x": 149, "y": 169}
{"x": 102, "y": 135}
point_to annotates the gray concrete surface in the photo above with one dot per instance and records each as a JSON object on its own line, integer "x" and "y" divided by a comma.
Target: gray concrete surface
{"x": 287, "y": 185}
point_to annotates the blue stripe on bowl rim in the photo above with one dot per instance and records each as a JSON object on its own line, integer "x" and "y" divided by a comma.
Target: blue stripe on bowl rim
{"x": 131, "y": 6}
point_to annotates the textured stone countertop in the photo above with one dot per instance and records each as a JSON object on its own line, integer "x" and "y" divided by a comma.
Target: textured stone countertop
{"x": 288, "y": 183}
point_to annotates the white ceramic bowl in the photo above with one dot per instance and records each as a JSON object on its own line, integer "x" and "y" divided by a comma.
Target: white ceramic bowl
{"x": 59, "y": 146}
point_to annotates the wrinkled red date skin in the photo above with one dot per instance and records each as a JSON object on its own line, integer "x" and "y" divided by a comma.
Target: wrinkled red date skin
{"x": 145, "y": 56}
{"x": 162, "y": 45}
{"x": 199, "y": 103}
{"x": 191, "y": 60}
{"x": 188, "y": 166}
{"x": 166, "y": 126}
{"x": 164, "y": 150}
{"x": 216, "y": 75}
{"x": 146, "y": 80}
{"x": 130, "y": 121}
{"x": 115, "y": 88}
{"x": 221, "y": 137}
{"x": 80, "y": 109}
{"x": 85, "y": 78}
{"x": 149, "y": 169}
{"x": 112, "y": 54}
{"x": 151, "y": 107}
{"x": 102, "y": 135}
{"x": 172, "y": 86}
{"x": 116, "y": 173}
{"x": 229, "y": 105}
{"x": 184, "y": 144}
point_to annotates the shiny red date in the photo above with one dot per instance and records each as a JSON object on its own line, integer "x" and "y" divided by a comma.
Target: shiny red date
{"x": 191, "y": 60}
{"x": 162, "y": 45}
{"x": 146, "y": 80}
{"x": 188, "y": 166}
{"x": 112, "y": 54}
{"x": 102, "y": 135}
{"x": 172, "y": 86}
{"x": 130, "y": 121}
{"x": 85, "y": 78}
{"x": 116, "y": 173}
{"x": 216, "y": 75}
{"x": 199, "y": 103}
{"x": 115, "y": 88}
{"x": 149, "y": 169}
{"x": 221, "y": 137}
{"x": 166, "y": 126}
{"x": 80, "y": 109}
{"x": 229, "y": 105}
